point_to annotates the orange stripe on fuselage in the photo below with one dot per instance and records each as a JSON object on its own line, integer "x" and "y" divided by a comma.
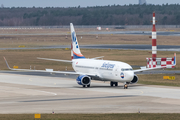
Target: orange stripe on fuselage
{"x": 80, "y": 55}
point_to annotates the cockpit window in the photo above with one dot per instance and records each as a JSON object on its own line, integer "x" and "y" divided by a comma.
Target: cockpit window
{"x": 126, "y": 69}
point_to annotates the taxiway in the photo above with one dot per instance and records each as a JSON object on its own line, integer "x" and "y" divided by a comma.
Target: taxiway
{"x": 44, "y": 94}
{"x": 120, "y": 47}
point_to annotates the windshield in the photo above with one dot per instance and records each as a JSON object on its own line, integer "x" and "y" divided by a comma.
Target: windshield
{"x": 126, "y": 69}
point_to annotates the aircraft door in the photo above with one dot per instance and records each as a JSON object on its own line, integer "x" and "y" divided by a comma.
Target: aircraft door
{"x": 116, "y": 71}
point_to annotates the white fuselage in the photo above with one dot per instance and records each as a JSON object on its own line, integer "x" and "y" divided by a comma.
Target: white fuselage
{"x": 104, "y": 69}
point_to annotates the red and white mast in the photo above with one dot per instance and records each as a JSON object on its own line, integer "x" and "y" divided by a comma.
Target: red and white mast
{"x": 154, "y": 36}
{"x": 158, "y": 62}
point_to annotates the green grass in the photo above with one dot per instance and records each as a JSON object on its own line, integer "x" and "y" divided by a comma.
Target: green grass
{"x": 157, "y": 79}
{"x": 134, "y": 116}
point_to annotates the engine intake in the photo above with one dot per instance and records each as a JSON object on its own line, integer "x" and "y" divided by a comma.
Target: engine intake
{"x": 135, "y": 80}
{"x": 83, "y": 80}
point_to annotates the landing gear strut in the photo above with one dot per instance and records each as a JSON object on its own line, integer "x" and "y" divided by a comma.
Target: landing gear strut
{"x": 113, "y": 83}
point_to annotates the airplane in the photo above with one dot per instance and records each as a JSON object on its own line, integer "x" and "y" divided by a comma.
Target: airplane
{"x": 96, "y": 69}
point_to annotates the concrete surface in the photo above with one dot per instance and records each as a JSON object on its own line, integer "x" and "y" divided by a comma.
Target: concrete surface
{"x": 44, "y": 94}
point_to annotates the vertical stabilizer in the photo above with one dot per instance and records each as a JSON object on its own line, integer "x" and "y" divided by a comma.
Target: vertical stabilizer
{"x": 75, "y": 46}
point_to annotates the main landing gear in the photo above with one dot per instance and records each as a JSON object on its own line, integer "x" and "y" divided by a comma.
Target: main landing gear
{"x": 116, "y": 84}
{"x": 86, "y": 85}
{"x": 113, "y": 83}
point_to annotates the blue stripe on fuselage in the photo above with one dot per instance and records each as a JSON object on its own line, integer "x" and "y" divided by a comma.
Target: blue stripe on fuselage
{"x": 78, "y": 57}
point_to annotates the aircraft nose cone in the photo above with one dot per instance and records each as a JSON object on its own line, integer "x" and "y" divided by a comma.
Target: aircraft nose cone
{"x": 129, "y": 75}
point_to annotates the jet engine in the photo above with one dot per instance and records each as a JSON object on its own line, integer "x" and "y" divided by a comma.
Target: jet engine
{"x": 83, "y": 80}
{"x": 135, "y": 80}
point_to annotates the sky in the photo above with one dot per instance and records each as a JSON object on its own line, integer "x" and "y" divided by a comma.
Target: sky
{"x": 73, "y": 3}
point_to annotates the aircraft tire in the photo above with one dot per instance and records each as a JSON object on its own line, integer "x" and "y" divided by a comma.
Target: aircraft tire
{"x": 84, "y": 86}
{"x": 116, "y": 83}
{"x": 111, "y": 83}
{"x": 125, "y": 86}
{"x": 88, "y": 85}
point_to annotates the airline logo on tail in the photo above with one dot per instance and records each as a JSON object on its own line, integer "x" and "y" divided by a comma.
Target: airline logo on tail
{"x": 74, "y": 39}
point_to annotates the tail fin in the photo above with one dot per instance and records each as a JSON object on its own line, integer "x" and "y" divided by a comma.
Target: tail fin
{"x": 75, "y": 47}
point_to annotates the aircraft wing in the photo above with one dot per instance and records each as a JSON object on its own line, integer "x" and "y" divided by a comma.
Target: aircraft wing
{"x": 55, "y": 60}
{"x": 146, "y": 69}
{"x": 60, "y": 72}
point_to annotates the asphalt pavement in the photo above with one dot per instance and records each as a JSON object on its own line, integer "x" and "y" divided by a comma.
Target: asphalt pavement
{"x": 23, "y": 94}
{"x": 104, "y": 46}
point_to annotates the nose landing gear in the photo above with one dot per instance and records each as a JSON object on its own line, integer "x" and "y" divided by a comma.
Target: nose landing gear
{"x": 126, "y": 86}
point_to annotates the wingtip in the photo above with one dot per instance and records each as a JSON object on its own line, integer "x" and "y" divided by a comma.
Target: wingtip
{"x": 6, "y": 63}
{"x": 41, "y": 58}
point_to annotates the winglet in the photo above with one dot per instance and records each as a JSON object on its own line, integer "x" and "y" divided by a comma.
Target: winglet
{"x": 7, "y": 63}
{"x": 174, "y": 58}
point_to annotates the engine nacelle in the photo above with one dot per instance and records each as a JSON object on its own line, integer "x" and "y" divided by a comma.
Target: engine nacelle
{"x": 135, "y": 79}
{"x": 83, "y": 80}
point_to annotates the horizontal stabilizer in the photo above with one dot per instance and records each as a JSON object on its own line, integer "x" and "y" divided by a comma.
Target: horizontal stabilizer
{"x": 97, "y": 57}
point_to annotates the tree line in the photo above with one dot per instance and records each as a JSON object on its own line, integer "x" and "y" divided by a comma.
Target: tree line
{"x": 97, "y": 15}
